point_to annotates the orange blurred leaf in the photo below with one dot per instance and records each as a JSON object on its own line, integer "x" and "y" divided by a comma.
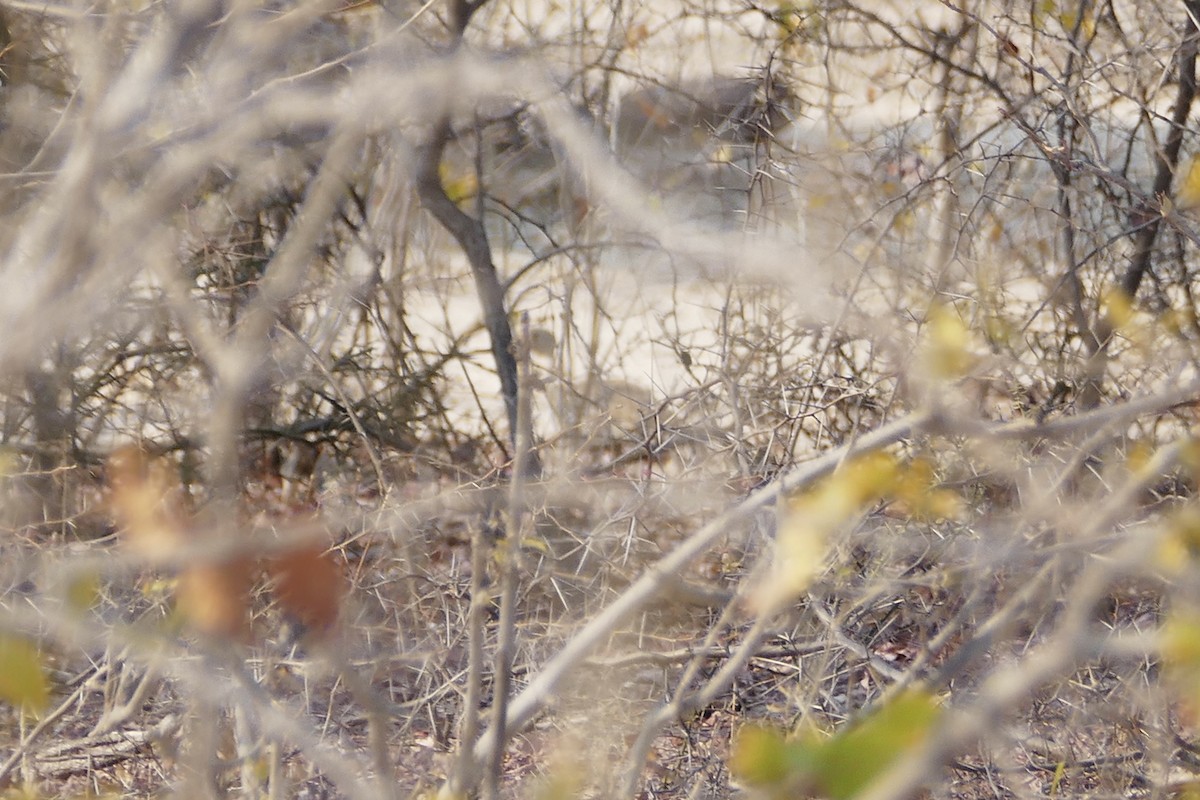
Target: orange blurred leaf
{"x": 213, "y": 598}
{"x": 143, "y": 503}
{"x": 308, "y": 586}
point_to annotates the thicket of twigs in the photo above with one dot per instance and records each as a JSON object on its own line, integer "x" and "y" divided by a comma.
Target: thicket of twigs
{"x": 673, "y": 399}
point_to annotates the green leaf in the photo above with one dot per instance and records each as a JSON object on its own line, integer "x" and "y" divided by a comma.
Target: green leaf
{"x": 866, "y": 750}
{"x": 839, "y": 767}
{"x": 766, "y": 759}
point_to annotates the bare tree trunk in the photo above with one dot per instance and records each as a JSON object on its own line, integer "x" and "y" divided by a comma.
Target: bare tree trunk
{"x": 51, "y": 446}
{"x": 471, "y": 237}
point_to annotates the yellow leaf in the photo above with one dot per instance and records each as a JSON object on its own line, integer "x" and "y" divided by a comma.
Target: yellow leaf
{"x": 26, "y": 791}
{"x": 157, "y": 588}
{"x": 22, "y": 680}
{"x": 1118, "y": 308}
{"x": 1181, "y": 642}
{"x": 536, "y": 544}
{"x": 1189, "y": 455}
{"x": 948, "y": 347}
{"x": 1181, "y": 544}
{"x": 872, "y": 477}
{"x": 1173, "y": 321}
{"x": 83, "y": 591}
{"x": 1044, "y": 8}
{"x": 1069, "y": 19}
{"x": 1187, "y": 191}
{"x": 819, "y": 200}
{"x": 999, "y": 330}
{"x": 1138, "y": 456}
{"x": 9, "y": 465}
{"x": 800, "y": 547}
{"x": 1060, "y": 771}
{"x": 1180, "y": 651}
{"x": 917, "y": 492}
{"x": 807, "y": 521}
{"x": 458, "y": 184}
{"x": 563, "y": 781}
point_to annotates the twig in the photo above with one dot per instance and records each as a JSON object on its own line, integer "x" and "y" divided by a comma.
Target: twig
{"x": 664, "y": 659}
{"x": 510, "y": 561}
{"x": 468, "y": 729}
